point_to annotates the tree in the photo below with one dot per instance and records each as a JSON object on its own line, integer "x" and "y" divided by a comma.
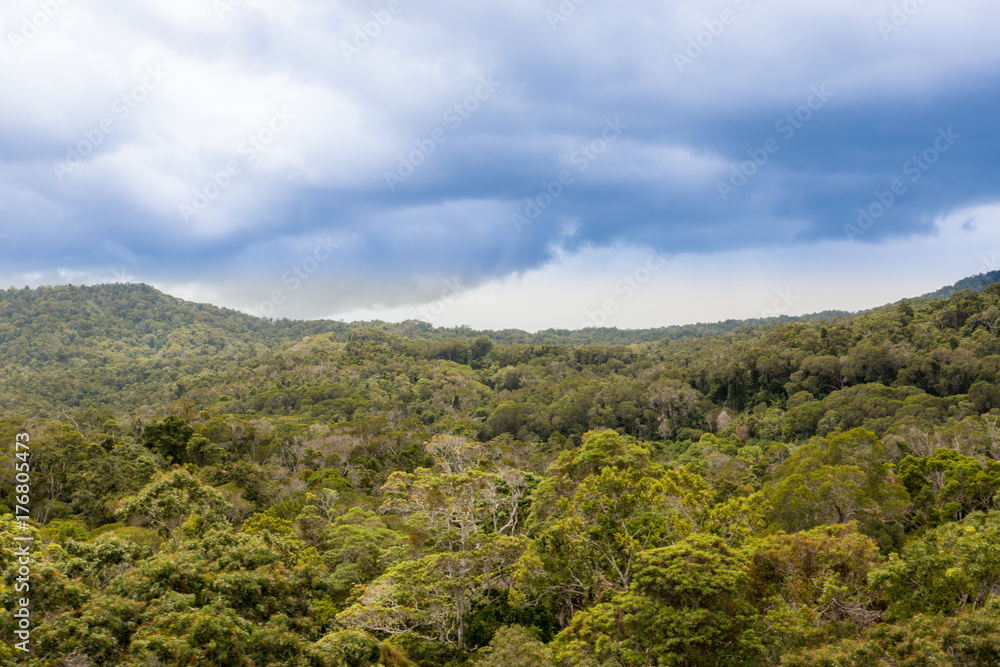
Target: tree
{"x": 470, "y": 520}
{"x": 599, "y": 449}
{"x": 678, "y": 405}
{"x": 949, "y": 568}
{"x": 514, "y": 646}
{"x": 432, "y": 597}
{"x": 688, "y": 608}
{"x": 173, "y": 500}
{"x": 967, "y": 640}
{"x": 589, "y": 550}
{"x": 348, "y": 648}
{"x": 212, "y": 635}
{"x": 202, "y": 451}
{"x": 480, "y": 347}
{"x": 102, "y": 479}
{"x": 98, "y": 632}
{"x": 358, "y": 547}
{"x": 455, "y": 510}
{"x": 169, "y": 438}
{"x": 812, "y": 587}
{"x": 872, "y": 406}
{"x": 837, "y": 480}
{"x": 985, "y": 396}
{"x": 948, "y": 486}
{"x": 591, "y": 519}
{"x": 56, "y": 458}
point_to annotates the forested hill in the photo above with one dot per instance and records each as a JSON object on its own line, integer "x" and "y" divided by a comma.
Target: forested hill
{"x": 975, "y": 283}
{"x": 207, "y": 488}
{"x": 118, "y": 345}
{"x": 131, "y": 347}
{"x": 141, "y": 321}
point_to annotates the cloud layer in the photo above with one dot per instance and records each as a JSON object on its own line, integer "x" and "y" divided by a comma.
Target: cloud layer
{"x": 344, "y": 156}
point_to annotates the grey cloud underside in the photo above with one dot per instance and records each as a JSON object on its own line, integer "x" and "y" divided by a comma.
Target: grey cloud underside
{"x": 656, "y": 184}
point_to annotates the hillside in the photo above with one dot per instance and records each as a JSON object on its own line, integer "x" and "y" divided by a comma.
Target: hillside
{"x": 133, "y": 348}
{"x": 124, "y": 346}
{"x": 209, "y": 488}
{"x": 977, "y": 283}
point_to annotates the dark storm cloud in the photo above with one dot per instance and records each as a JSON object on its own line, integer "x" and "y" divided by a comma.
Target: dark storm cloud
{"x": 424, "y": 145}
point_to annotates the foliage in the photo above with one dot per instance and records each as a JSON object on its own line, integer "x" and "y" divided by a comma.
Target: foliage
{"x": 949, "y": 486}
{"x": 967, "y": 640}
{"x": 949, "y": 568}
{"x": 173, "y": 500}
{"x": 812, "y": 586}
{"x": 514, "y": 646}
{"x": 211, "y": 488}
{"x": 846, "y": 477}
{"x": 688, "y": 608}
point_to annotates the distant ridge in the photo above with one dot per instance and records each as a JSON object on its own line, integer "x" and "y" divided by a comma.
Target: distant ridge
{"x": 974, "y": 283}
{"x": 136, "y": 347}
{"x": 119, "y": 311}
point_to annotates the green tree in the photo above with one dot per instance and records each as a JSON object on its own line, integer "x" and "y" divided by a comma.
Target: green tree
{"x": 812, "y": 587}
{"x": 433, "y": 597}
{"x": 348, "y": 648}
{"x": 985, "y": 396}
{"x": 589, "y": 550}
{"x": 948, "y": 486}
{"x": 212, "y": 635}
{"x": 951, "y": 567}
{"x": 173, "y": 500}
{"x": 599, "y": 449}
{"x": 514, "y": 646}
{"x": 202, "y": 451}
{"x": 840, "y": 479}
{"x": 688, "y": 607}
{"x": 99, "y": 631}
{"x": 359, "y": 546}
{"x": 967, "y": 640}
{"x": 169, "y": 438}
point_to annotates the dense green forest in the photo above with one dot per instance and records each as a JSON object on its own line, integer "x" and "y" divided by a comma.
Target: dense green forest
{"x": 209, "y": 488}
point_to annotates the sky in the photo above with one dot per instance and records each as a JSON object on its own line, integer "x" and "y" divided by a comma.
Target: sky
{"x": 522, "y": 164}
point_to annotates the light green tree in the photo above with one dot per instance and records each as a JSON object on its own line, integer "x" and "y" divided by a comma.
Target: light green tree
{"x": 688, "y": 607}
{"x": 173, "y": 500}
